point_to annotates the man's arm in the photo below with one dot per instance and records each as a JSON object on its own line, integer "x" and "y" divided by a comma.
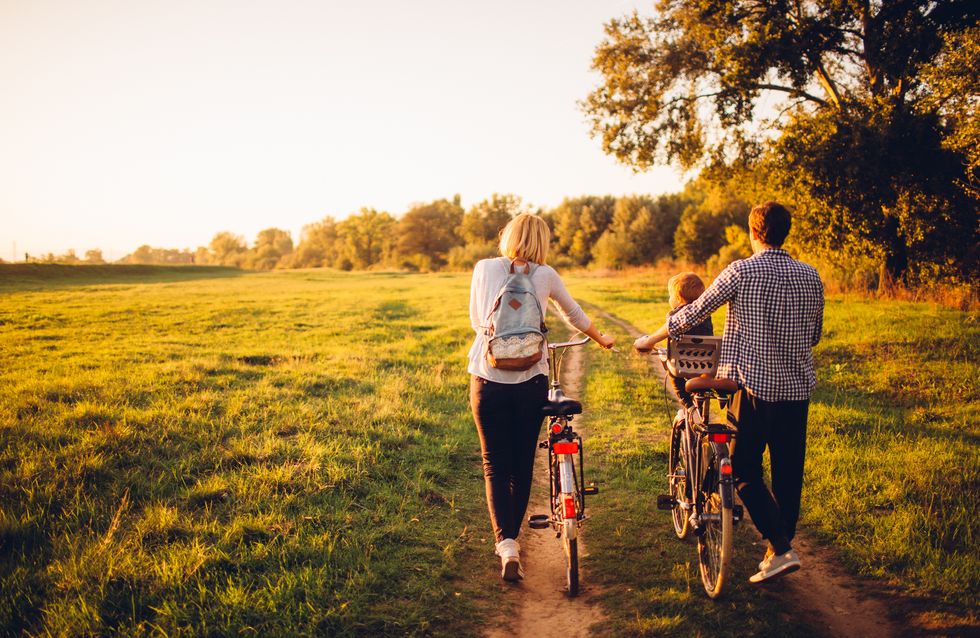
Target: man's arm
{"x": 721, "y": 291}
{"x": 818, "y": 328}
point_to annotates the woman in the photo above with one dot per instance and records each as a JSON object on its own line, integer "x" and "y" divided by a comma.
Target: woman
{"x": 507, "y": 404}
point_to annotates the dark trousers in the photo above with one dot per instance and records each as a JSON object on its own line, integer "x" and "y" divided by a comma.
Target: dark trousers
{"x": 780, "y": 425}
{"x": 508, "y": 420}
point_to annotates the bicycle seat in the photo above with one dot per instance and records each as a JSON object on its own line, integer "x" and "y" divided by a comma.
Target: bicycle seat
{"x": 705, "y": 384}
{"x": 560, "y": 405}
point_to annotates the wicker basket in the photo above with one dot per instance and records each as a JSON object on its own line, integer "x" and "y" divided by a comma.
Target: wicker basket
{"x": 690, "y": 357}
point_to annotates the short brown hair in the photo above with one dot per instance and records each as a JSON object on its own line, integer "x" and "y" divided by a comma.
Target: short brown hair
{"x": 771, "y": 222}
{"x": 686, "y": 286}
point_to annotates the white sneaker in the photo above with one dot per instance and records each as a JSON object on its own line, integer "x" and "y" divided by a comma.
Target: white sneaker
{"x": 510, "y": 560}
{"x": 778, "y": 565}
{"x": 508, "y": 548}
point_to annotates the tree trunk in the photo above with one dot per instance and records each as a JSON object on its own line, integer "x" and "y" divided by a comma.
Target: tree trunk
{"x": 896, "y": 263}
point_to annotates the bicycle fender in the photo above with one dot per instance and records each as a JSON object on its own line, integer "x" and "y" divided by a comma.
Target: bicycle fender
{"x": 727, "y": 484}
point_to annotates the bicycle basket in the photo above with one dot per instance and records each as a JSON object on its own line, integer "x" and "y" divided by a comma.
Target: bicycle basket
{"x": 690, "y": 357}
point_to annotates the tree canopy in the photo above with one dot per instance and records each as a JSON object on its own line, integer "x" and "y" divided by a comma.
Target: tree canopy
{"x": 832, "y": 103}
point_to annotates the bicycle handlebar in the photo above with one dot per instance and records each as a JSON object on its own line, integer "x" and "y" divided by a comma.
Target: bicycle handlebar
{"x": 567, "y": 344}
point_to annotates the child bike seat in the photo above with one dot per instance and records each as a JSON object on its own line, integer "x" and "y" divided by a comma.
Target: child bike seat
{"x": 705, "y": 383}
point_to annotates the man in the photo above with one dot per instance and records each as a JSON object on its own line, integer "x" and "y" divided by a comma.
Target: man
{"x": 775, "y": 317}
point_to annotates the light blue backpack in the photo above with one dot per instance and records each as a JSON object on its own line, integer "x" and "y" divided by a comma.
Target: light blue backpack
{"x": 515, "y": 330}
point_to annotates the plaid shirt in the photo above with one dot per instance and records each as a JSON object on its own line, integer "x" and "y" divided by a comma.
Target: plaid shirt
{"x": 775, "y": 317}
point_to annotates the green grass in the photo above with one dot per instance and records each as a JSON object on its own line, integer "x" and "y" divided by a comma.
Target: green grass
{"x": 213, "y": 452}
{"x": 263, "y": 454}
{"x": 892, "y": 466}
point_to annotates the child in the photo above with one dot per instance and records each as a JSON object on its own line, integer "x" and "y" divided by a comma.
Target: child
{"x": 683, "y": 289}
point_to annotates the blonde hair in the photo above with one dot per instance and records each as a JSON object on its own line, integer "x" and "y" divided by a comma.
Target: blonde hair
{"x": 526, "y": 237}
{"x": 684, "y": 287}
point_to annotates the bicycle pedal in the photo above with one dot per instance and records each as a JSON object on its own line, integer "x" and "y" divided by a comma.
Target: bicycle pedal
{"x": 591, "y": 489}
{"x": 666, "y": 502}
{"x": 539, "y": 521}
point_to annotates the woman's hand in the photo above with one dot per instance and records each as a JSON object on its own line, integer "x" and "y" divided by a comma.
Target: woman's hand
{"x": 605, "y": 341}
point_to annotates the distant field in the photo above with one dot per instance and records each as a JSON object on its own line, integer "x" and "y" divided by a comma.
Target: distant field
{"x": 195, "y": 451}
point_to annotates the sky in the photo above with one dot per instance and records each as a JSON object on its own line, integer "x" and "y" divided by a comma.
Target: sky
{"x": 163, "y": 122}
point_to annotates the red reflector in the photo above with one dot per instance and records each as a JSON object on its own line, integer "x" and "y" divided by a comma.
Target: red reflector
{"x": 726, "y": 469}
{"x": 569, "y": 507}
{"x": 565, "y": 448}
{"x": 719, "y": 438}
{"x": 556, "y": 428}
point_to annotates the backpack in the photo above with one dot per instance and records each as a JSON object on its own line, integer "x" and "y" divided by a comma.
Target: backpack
{"x": 515, "y": 325}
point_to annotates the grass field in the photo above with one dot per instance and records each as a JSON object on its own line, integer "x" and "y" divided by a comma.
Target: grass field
{"x": 261, "y": 454}
{"x": 892, "y": 466}
{"x": 212, "y": 452}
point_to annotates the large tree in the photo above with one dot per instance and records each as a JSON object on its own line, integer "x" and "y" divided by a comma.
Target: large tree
{"x": 830, "y": 98}
{"x": 427, "y": 232}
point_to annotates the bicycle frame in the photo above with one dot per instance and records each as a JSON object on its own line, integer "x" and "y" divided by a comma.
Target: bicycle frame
{"x": 698, "y": 428}
{"x": 566, "y": 478}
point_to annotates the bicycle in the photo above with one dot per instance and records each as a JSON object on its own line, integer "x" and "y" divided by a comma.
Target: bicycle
{"x": 701, "y": 491}
{"x": 565, "y": 476}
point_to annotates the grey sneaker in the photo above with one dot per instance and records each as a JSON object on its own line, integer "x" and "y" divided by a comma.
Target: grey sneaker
{"x": 777, "y": 566}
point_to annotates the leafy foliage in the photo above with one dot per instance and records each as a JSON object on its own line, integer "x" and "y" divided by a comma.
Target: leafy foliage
{"x": 871, "y": 158}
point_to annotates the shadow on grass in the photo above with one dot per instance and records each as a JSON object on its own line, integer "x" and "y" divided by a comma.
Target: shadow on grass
{"x": 27, "y": 277}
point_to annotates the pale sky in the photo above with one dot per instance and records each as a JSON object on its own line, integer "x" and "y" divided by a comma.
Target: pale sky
{"x": 162, "y": 122}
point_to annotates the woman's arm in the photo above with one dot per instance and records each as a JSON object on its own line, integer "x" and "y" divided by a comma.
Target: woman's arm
{"x": 573, "y": 314}
{"x": 476, "y": 292}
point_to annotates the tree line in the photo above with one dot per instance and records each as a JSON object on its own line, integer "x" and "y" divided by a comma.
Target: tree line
{"x": 692, "y": 226}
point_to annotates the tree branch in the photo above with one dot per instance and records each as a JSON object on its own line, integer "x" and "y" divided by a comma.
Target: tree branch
{"x": 792, "y": 91}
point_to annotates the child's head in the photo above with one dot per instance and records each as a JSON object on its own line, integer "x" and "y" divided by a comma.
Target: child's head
{"x": 684, "y": 288}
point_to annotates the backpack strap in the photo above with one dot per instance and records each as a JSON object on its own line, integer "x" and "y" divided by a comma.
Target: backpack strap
{"x": 527, "y": 267}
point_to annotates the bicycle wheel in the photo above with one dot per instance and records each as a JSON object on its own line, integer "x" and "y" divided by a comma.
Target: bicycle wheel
{"x": 571, "y": 562}
{"x": 715, "y": 544}
{"x": 677, "y": 484}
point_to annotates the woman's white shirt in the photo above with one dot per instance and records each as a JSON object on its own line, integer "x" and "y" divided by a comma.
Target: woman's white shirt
{"x": 489, "y": 276}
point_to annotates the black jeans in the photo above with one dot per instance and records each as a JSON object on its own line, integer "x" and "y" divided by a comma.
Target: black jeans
{"x": 508, "y": 420}
{"x": 780, "y": 425}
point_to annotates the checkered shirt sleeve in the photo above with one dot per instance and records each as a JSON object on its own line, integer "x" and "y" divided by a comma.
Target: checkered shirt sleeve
{"x": 775, "y": 317}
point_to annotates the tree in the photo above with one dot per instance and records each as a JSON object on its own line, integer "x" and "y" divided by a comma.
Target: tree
{"x": 271, "y": 245}
{"x": 94, "y": 256}
{"x": 366, "y": 239}
{"x": 577, "y": 223}
{"x": 228, "y": 249}
{"x": 318, "y": 245}
{"x": 857, "y": 145}
{"x": 427, "y": 232}
{"x": 482, "y": 223}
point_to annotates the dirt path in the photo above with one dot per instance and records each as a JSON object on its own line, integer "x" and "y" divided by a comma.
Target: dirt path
{"x": 830, "y": 600}
{"x": 543, "y": 608}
